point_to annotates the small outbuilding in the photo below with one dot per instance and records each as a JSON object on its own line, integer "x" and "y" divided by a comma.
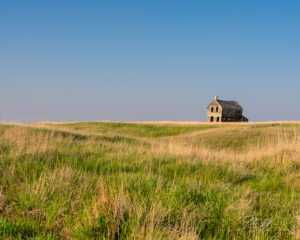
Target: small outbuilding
{"x": 225, "y": 111}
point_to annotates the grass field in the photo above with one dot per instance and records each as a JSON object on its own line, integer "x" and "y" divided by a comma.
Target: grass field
{"x": 103, "y": 180}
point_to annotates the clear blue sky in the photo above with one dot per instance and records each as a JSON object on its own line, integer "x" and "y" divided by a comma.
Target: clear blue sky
{"x": 148, "y": 60}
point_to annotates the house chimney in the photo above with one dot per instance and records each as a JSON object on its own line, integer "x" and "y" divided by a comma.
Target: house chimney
{"x": 216, "y": 98}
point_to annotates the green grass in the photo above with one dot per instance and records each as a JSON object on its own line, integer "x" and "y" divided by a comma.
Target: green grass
{"x": 138, "y": 130}
{"x": 123, "y": 181}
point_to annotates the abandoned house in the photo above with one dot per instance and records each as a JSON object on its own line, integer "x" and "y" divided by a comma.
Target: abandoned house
{"x": 225, "y": 111}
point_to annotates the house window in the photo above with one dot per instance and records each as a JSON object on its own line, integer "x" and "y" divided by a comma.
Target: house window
{"x": 217, "y": 109}
{"x": 212, "y": 109}
{"x": 218, "y": 119}
{"x": 211, "y": 119}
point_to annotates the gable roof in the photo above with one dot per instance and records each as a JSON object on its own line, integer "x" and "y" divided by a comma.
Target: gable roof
{"x": 229, "y": 104}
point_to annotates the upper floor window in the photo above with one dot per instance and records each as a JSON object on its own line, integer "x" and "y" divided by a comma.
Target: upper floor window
{"x": 212, "y": 109}
{"x": 217, "y": 109}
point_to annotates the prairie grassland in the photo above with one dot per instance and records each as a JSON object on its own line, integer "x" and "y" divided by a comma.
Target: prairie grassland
{"x": 104, "y": 180}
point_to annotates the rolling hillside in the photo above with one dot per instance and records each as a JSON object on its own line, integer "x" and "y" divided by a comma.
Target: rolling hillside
{"x": 105, "y": 180}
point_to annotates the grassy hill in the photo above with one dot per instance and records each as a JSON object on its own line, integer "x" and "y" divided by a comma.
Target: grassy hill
{"x": 102, "y": 180}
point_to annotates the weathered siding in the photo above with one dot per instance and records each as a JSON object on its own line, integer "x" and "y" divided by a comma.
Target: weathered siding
{"x": 232, "y": 115}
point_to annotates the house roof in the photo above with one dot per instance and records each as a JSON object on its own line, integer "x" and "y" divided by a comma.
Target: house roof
{"x": 229, "y": 104}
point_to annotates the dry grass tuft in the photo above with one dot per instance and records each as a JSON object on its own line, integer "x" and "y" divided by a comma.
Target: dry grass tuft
{"x": 2, "y": 202}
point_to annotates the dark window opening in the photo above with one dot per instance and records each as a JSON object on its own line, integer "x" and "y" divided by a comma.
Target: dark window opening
{"x": 212, "y": 109}
{"x": 218, "y": 119}
{"x": 211, "y": 119}
{"x": 217, "y": 109}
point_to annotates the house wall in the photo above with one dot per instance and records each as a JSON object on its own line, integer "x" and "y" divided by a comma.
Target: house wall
{"x": 232, "y": 115}
{"x": 215, "y": 114}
